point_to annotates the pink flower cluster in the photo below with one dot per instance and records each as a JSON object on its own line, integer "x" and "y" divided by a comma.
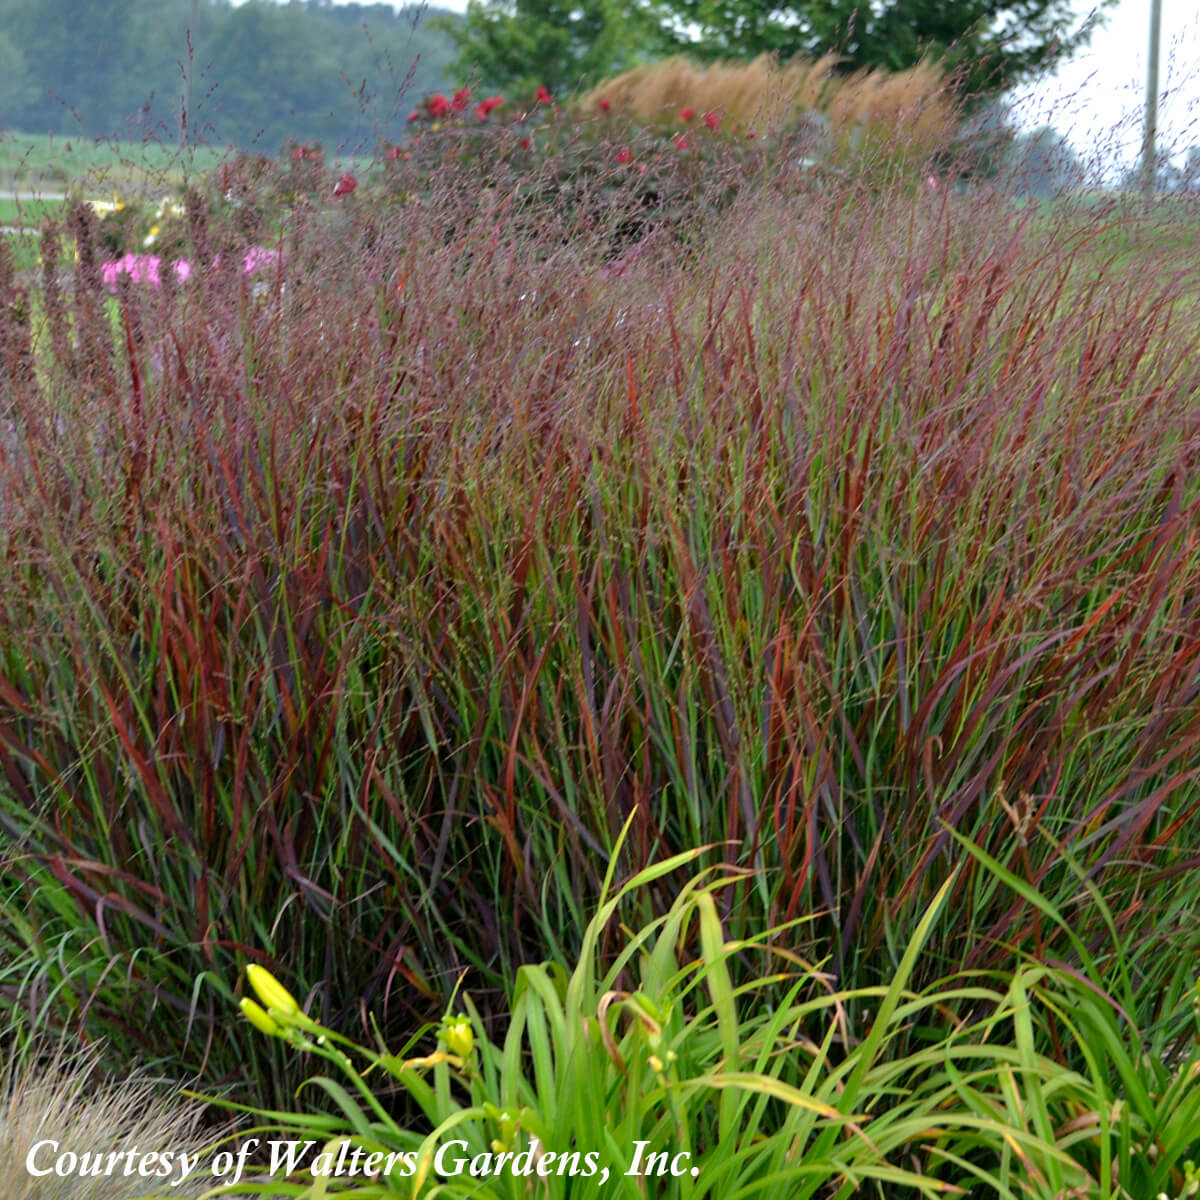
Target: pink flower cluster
{"x": 146, "y": 268}
{"x": 258, "y": 257}
{"x": 141, "y": 268}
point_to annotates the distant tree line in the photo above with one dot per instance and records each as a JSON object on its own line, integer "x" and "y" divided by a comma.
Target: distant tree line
{"x": 261, "y": 73}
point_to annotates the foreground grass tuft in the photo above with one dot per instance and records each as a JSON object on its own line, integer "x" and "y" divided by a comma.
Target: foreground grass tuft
{"x": 61, "y": 1096}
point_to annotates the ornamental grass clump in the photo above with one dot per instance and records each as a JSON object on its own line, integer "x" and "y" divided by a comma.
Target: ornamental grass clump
{"x": 349, "y": 617}
{"x": 56, "y": 1106}
{"x": 868, "y": 119}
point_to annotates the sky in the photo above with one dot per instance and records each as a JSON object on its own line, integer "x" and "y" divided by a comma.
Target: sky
{"x": 1096, "y": 99}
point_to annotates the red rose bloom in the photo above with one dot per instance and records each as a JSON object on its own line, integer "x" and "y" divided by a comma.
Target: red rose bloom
{"x": 439, "y": 106}
{"x": 345, "y": 185}
{"x": 687, "y": 113}
{"x": 624, "y": 155}
{"x": 712, "y": 120}
{"x": 543, "y": 94}
{"x": 461, "y": 99}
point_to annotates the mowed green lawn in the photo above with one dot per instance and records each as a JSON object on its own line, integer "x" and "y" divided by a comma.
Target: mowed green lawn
{"x": 27, "y": 211}
{"x": 39, "y": 163}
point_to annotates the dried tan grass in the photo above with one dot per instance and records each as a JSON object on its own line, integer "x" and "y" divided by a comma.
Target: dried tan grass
{"x": 61, "y": 1096}
{"x": 915, "y": 104}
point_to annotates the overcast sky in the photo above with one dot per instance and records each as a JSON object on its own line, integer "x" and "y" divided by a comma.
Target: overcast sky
{"x": 1097, "y": 98}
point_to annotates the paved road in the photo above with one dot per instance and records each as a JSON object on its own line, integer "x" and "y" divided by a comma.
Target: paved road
{"x": 34, "y": 195}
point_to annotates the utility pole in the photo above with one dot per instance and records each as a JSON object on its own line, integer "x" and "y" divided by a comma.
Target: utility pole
{"x": 1150, "y": 131}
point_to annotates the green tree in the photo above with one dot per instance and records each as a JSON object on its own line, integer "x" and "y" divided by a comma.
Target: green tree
{"x": 17, "y": 90}
{"x": 74, "y": 51}
{"x": 1044, "y": 164}
{"x": 261, "y": 72}
{"x": 991, "y": 44}
{"x": 561, "y": 44}
{"x": 269, "y": 75}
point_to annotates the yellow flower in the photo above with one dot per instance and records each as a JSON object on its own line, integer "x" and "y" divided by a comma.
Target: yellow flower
{"x": 259, "y": 1019}
{"x": 459, "y": 1036}
{"x": 271, "y": 992}
{"x": 429, "y": 1060}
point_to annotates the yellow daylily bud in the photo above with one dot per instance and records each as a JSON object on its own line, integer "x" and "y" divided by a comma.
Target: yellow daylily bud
{"x": 259, "y": 1019}
{"x": 271, "y": 992}
{"x": 508, "y": 1126}
{"x": 459, "y": 1036}
{"x": 656, "y": 1064}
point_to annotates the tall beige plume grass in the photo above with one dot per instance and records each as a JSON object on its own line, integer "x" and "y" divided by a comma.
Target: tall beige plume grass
{"x": 916, "y": 104}
{"x": 61, "y": 1095}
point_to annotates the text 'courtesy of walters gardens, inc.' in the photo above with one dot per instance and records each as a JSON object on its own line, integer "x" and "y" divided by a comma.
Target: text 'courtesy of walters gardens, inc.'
{"x": 256, "y": 1159}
